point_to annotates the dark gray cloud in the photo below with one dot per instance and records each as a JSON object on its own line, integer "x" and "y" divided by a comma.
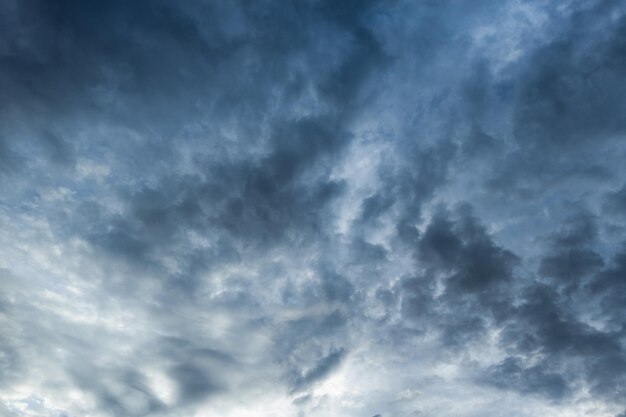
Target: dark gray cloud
{"x": 534, "y": 380}
{"x": 572, "y": 256}
{"x": 315, "y": 208}
{"x": 615, "y": 201}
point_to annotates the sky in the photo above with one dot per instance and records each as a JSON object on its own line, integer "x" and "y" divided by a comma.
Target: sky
{"x": 337, "y": 208}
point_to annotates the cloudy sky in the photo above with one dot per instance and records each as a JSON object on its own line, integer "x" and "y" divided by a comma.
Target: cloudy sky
{"x": 312, "y": 208}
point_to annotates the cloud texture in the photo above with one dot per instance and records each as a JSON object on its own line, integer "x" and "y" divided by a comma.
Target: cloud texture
{"x": 312, "y": 208}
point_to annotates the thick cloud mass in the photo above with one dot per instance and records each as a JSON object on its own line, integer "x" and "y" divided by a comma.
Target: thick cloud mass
{"x": 312, "y": 208}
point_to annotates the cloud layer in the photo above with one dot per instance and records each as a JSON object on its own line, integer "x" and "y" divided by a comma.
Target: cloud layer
{"x": 313, "y": 208}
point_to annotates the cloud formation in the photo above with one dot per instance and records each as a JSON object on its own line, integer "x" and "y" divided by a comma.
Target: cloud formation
{"x": 313, "y": 208}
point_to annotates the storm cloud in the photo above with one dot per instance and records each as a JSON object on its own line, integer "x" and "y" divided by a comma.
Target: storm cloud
{"x": 312, "y": 208}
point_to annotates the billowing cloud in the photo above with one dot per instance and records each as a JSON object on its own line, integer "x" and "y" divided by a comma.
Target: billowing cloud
{"x": 314, "y": 208}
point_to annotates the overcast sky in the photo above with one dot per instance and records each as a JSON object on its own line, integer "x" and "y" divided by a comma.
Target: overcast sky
{"x": 338, "y": 208}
